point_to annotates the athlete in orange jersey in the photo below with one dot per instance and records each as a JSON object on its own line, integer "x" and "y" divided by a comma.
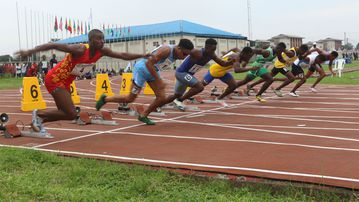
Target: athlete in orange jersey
{"x": 79, "y": 61}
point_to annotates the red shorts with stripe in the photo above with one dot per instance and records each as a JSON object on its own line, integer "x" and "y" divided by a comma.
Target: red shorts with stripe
{"x": 51, "y": 86}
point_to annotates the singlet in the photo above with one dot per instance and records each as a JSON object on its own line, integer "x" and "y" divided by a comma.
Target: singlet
{"x": 70, "y": 67}
{"x": 305, "y": 64}
{"x": 219, "y": 71}
{"x": 191, "y": 66}
{"x": 164, "y": 63}
{"x": 288, "y": 61}
{"x": 270, "y": 58}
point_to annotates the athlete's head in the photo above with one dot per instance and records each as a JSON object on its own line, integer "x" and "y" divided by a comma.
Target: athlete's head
{"x": 302, "y": 50}
{"x": 210, "y": 46}
{"x": 333, "y": 55}
{"x": 280, "y": 47}
{"x": 96, "y": 39}
{"x": 184, "y": 48}
{"x": 246, "y": 53}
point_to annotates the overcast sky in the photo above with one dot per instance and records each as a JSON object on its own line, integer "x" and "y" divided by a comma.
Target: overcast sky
{"x": 312, "y": 19}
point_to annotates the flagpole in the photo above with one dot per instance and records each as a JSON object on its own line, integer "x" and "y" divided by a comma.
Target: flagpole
{"x": 27, "y": 39}
{"x": 62, "y": 31}
{"x": 49, "y": 26}
{"x": 38, "y": 27}
{"x": 32, "y": 38}
{"x": 43, "y": 27}
{"x": 18, "y": 25}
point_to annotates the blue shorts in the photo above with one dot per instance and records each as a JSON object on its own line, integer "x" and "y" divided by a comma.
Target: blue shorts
{"x": 141, "y": 75}
{"x": 208, "y": 78}
{"x": 184, "y": 80}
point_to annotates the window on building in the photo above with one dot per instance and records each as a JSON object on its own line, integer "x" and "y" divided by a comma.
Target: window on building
{"x": 172, "y": 42}
{"x": 156, "y": 44}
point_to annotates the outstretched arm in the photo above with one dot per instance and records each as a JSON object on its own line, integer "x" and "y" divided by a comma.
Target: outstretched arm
{"x": 121, "y": 55}
{"x": 76, "y": 49}
{"x": 236, "y": 50}
{"x": 238, "y": 69}
{"x": 222, "y": 62}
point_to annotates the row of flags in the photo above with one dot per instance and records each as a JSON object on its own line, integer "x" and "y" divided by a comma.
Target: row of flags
{"x": 71, "y": 27}
{"x": 84, "y": 27}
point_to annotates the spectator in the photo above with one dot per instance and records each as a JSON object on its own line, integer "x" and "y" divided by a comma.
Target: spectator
{"x": 18, "y": 70}
{"x": 32, "y": 71}
{"x": 53, "y": 61}
{"x": 23, "y": 69}
{"x": 43, "y": 65}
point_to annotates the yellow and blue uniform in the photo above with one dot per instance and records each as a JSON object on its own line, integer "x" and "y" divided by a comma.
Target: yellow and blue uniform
{"x": 217, "y": 71}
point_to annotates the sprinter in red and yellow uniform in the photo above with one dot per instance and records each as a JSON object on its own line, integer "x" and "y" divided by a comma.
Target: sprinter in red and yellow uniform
{"x": 79, "y": 61}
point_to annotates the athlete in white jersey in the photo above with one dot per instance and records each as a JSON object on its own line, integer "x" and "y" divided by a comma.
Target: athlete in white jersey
{"x": 313, "y": 61}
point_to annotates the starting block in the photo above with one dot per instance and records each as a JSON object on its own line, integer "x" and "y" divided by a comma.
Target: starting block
{"x": 105, "y": 118}
{"x": 252, "y": 90}
{"x": 12, "y": 131}
{"x": 137, "y": 109}
{"x": 215, "y": 91}
{"x": 196, "y": 100}
{"x": 34, "y": 134}
{"x": 240, "y": 94}
{"x": 186, "y": 108}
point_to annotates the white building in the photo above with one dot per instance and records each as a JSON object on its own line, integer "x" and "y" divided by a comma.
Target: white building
{"x": 289, "y": 40}
{"x": 330, "y": 44}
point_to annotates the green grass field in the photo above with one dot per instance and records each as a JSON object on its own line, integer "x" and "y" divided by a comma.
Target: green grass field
{"x": 27, "y": 175}
{"x": 10, "y": 83}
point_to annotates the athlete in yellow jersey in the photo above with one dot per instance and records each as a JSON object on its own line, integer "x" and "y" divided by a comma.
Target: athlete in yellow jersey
{"x": 289, "y": 56}
{"x": 217, "y": 71}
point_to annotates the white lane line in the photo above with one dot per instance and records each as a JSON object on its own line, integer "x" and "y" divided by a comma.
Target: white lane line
{"x": 216, "y": 139}
{"x": 203, "y": 166}
{"x": 288, "y": 118}
{"x": 132, "y": 126}
{"x": 268, "y": 131}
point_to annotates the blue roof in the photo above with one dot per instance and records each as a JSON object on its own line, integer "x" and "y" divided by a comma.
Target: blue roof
{"x": 177, "y": 27}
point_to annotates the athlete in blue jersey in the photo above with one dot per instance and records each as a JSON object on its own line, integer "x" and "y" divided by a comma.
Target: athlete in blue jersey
{"x": 192, "y": 64}
{"x": 147, "y": 70}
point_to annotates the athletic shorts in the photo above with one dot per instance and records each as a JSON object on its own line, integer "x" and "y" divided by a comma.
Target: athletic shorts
{"x": 208, "y": 78}
{"x": 141, "y": 75}
{"x": 51, "y": 86}
{"x": 184, "y": 80}
{"x": 282, "y": 70}
{"x": 297, "y": 71}
{"x": 254, "y": 73}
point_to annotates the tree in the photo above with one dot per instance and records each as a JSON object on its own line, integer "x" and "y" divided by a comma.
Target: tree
{"x": 348, "y": 46}
{"x": 357, "y": 47}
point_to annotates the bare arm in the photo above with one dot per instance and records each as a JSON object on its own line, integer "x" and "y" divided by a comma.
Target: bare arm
{"x": 121, "y": 55}
{"x": 163, "y": 52}
{"x": 222, "y": 62}
{"x": 263, "y": 52}
{"x": 289, "y": 53}
{"x": 236, "y": 50}
{"x": 330, "y": 66}
{"x": 238, "y": 69}
{"x": 76, "y": 49}
{"x": 280, "y": 57}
